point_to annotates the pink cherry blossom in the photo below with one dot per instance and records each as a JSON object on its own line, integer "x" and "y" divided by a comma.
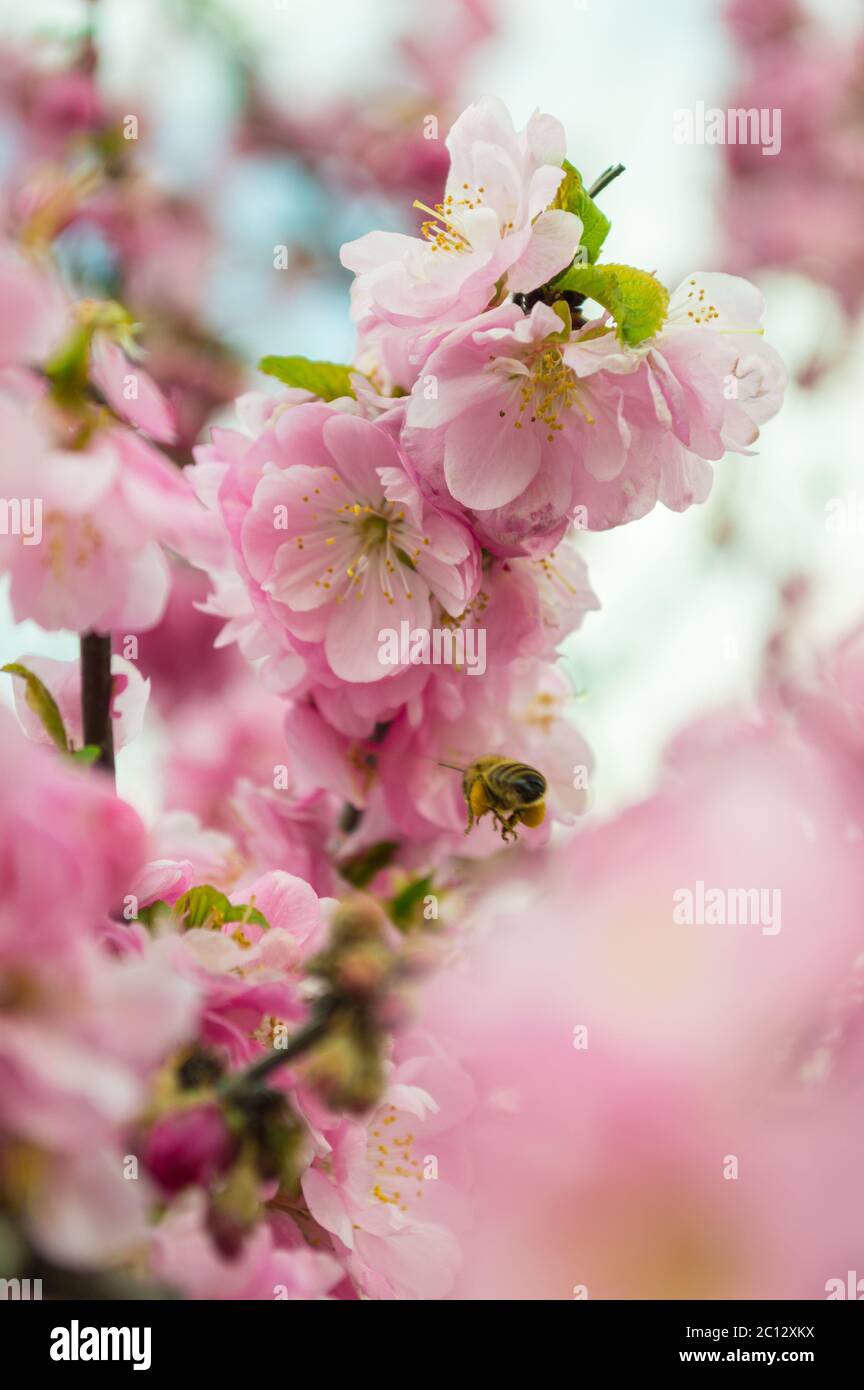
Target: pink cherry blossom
{"x": 387, "y": 1208}
{"x": 336, "y": 542}
{"x": 483, "y": 422}
{"x": 581, "y": 422}
{"x": 106, "y": 512}
{"x": 290, "y": 830}
{"x": 249, "y": 976}
{"x": 178, "y": 839}
{"x": 494, "y": 223}
{"x": 519, "y": 710}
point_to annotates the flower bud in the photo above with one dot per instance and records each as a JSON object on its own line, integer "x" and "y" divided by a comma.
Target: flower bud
{"x": 188, "y": 1148}
{"x": 345, "y": 1069}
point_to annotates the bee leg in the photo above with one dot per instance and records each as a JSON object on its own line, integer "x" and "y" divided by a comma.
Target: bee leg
{"x": 478, "y": 803}
{"x": 508, "y": 827}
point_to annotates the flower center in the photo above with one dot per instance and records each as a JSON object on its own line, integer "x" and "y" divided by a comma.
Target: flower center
{"x": 551, "y": 389}
{"x": 398, "y": 1174}
{"x": 542, "y": 711}
{"x": 68, "y": 542}
{"x": 376, "y": 531}
{"x": 440, "y": 229}
{"x": 698, "y": 310}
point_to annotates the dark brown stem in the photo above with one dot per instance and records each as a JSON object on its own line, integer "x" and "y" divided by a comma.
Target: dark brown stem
{"x": 306, "y": 1038}
{"x": 96, "y": 696}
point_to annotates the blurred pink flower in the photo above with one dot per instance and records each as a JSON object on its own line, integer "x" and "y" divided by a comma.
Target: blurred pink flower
{"x": 130, "y": 391}
{"x": 179, "y": 840}
{"x": 798, "y": 67}
{"x": 291, "y": 831}
{"x": 83, "y": 1026}
{"x": 33, "y": 309}
{"x": 273, "y": 1263}
{"x": 213, "y": 744}
{"x": 178, "y": 655}
{"x": 70, "y": 849}
{"x": 645, "y": 1067}
{"x": 766, "y": 23}
{"x": 105, "y": 513}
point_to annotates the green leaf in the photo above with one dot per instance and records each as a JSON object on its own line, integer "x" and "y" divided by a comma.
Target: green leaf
{"x": 573, "y": 197}
{"x": 404, "y": 558}
{"x": 42, "y": 702}
{"x": 404, "y": 908}
{"x": 148, "y": 914}
{"x": 635, "y": 299}
{"x": 244, "y": 912}
{"x": 562, "y": 309}
{"x": 327, "y": 380}
{"x": 69, "y": 368}
{"x": 206, "y": 906}
{"x": 68, "y": 371}
{"x": 362, "y": 867}
{"x": 88, "y": 754}
{"x": 203, "y": 906}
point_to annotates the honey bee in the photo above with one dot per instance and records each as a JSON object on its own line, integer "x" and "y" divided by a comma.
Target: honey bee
{"x": 512, "y": 791}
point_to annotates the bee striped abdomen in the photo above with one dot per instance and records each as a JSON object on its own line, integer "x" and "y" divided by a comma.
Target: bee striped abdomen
{"x": 518, "y": 777}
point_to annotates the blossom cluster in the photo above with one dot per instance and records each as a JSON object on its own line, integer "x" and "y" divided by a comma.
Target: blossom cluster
{"x": 440, "y": 481}
{"x": 229, "y": 1073}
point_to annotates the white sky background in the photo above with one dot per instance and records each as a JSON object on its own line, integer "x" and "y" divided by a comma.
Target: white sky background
{"x": 683, "y": 623}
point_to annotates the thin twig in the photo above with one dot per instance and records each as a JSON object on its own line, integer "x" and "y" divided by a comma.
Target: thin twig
{"x": 304, "y": 1039}
{"x": 605, "y": 178}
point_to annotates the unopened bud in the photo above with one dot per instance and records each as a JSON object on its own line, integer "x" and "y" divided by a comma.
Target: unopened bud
{"x": 345, "y": 1068}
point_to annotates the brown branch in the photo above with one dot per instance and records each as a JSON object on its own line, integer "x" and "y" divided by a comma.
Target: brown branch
{"x": 96, "y": 696}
